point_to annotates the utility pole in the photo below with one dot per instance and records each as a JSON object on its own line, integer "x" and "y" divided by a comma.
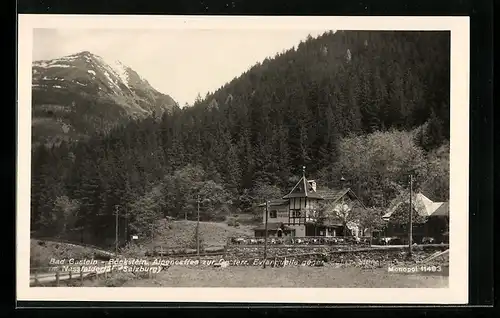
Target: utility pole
{"x": 410, "y": 221}
{"x": 116, "y": 230}
{"x": 198, "y": 230}
{"x": 265, "y": 235}
{"x": 126, "y": 225}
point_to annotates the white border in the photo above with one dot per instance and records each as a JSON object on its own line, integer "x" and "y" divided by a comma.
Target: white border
{"x": 456, "y": 293}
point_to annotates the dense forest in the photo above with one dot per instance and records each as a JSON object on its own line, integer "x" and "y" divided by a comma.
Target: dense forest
{"x": 369, "y": 106}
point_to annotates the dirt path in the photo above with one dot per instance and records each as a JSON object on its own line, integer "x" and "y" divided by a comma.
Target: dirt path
{"x": 323, "y": 277}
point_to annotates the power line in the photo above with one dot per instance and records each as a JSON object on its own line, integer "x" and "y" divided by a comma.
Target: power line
{"x": 265, "y": 235}
{"x": 116, "y": 229}
{"x": 198, "y": 228}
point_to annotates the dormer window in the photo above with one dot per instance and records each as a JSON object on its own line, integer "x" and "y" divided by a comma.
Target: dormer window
{"x": 312, "y": 185}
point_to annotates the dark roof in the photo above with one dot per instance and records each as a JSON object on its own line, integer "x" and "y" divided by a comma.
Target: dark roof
{"x": 272, "y": 227}
{"x": 302, "y": 190}
{"x": 332, "y": 194}
{"x": 417, "y": 209}
{"x": 336, "y": 194}
{"x": 312, "y": 195}
{"x": 443, "y": 210}
{"x": 275, "y": 203}
{"x": 422, "y": 205}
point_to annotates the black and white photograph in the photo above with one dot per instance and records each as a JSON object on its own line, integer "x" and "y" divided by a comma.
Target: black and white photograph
{"x": 244, "y": 155}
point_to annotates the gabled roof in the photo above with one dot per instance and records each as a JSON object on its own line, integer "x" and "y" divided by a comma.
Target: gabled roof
{"x": 336, "y": 194}
{"x": 429, "y": 205}
{"x": 421, "y": 205}
{"x": 416, "y": 209}
{"x": 302, "y": 190}
{"x": 333, "y": 194}
{"x": 443, "y": 210}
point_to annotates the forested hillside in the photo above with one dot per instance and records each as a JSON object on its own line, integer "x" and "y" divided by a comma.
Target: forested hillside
{"x": 370, "y": 106}
{"x": 77, "y": 95}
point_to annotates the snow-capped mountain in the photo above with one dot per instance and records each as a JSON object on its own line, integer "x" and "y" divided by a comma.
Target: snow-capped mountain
{"x": 80, "y": 94}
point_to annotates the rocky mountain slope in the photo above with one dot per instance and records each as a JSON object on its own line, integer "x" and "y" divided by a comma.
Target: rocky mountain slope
{"x": 81, "y": 94}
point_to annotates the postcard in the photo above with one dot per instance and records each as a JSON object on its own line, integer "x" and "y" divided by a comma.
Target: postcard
{"x": 243, "y": 159}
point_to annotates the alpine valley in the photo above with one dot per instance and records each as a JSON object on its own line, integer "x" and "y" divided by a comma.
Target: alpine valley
{"x": 79, "y": 95}
{"x": 358, "y": 109}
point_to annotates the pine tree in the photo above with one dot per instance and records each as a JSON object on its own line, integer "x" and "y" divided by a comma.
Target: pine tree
{"x": 307, "y": 106}
{"x": 433, "y": 136}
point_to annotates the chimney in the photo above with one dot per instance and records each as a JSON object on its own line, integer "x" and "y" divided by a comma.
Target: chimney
{"x": 312, "y": 184}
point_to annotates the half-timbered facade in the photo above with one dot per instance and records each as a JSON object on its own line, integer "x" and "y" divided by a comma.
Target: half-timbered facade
{"x": 299, "y": 210}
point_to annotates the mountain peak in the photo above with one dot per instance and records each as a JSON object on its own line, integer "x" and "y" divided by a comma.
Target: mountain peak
{"x": 83, "y": 53}
{"x": 63, "y": 86}
{"x": 115, "y": 73}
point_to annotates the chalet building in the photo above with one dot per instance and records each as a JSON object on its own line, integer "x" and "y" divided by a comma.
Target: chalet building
{"x": 296, "y": 213}
{"x": 431, "y": 219}
{"x": 438, "y": 223}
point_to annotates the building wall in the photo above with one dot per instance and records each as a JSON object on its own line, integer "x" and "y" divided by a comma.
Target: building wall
{"x": 436, "y": 226}
{"x": 332, "y": 231}
{"x": 300, "y": 230}
{"x": 281, "y": 217}
{"x": 321, "y": 230}
{"x": 303, "y": 203}
{"x": 307, "y": 207}
{"x": 401, "y": 230}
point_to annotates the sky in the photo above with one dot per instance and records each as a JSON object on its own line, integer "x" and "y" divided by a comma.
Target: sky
{"x": 179, "y": 62}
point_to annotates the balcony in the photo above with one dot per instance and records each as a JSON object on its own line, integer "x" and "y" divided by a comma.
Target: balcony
{"x": 302, "y": 216}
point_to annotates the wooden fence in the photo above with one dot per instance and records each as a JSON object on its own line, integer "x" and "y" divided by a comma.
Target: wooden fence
{"x": 299, "y": 241}
{"x": 42, "y": 276}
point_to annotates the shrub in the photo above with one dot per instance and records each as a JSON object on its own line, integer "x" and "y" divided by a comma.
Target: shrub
{"x": 42, "y": 252}
{"x": 39, "y": 255}
{"x": 132, "y": 250}
{"x": 231, "y": 222}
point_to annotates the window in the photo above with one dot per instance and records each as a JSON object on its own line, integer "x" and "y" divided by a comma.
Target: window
{"x": 282, "y": 214}
{"x": 273, "y": 214}
{"x": 296, "y": 217}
